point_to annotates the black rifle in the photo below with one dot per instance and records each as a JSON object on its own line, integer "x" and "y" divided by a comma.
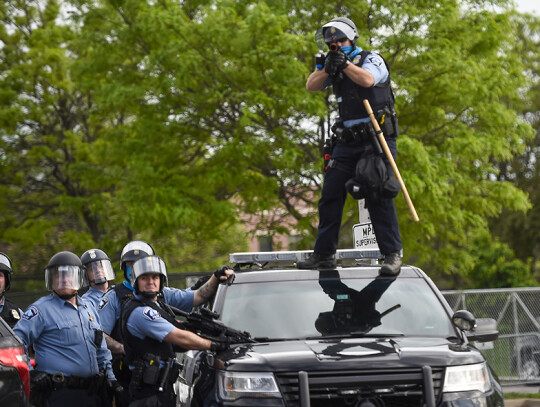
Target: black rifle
{"x": 206, "y": 324}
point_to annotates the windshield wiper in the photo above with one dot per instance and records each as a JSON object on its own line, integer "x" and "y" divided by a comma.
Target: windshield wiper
{"x": 358, "y": 335}
{"x": 268, "y": 339}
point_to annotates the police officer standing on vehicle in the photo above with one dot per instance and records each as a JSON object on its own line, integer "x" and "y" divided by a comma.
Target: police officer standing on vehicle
{"x": 8, "y": 311}
{"x": 149, "y": 335}
{"x": 73, "y": 364}
{"x": 99, "y": 272}
{"x": 355, "y": 75}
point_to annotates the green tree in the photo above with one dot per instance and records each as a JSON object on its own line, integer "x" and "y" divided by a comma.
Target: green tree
{"x": 520, "y": 230}
{"x": 181, "y": 116}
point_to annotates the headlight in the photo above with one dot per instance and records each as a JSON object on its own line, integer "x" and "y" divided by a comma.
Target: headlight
{"x": 467, "y": 378}
{"x": 233, "y": 385}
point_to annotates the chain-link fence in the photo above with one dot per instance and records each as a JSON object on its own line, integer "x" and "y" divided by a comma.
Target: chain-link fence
{"x": 515, "y": 356}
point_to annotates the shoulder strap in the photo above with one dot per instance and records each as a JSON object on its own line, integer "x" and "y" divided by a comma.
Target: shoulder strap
{"x": 363, "y": 56}
{"x": 122, "y": 292}
{"x": 386, "y": 83}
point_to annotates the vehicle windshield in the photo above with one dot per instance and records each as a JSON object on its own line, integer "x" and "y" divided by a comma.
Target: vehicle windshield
{"x": 336, "y": 307}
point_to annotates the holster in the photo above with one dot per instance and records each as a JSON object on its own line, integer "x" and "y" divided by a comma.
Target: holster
{"x": 388, "y": 122}
{"x": 40, "y": 387}
{"x": 121, "y": 369}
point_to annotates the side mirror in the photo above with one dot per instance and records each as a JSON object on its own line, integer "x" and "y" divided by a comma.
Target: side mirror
{"x": 486, "y": 331}
{"x": 480, "y": 330}
{"x": 464, "y": 320}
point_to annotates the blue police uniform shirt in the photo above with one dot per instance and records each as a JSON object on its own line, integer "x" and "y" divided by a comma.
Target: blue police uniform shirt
{"x": 145, "y": 321}
{"x": 109, "y": 307}
{"x": 93, "y": 295}
{"x": 63, "y": 337}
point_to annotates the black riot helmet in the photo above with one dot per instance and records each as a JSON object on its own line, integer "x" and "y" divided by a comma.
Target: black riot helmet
{"x": 98, "y": 266}
{"x": 339, "y": 28}
{"x": 6, "y": 267}
{"x": 65, "y": 265}
{"x": 134, "y": 250}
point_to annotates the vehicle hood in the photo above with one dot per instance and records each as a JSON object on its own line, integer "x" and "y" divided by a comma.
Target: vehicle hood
{"x": 339, "y": 354}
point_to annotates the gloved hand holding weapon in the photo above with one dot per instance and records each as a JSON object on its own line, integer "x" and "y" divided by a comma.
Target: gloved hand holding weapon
{"x": 206, "y": 325}
{"x": 335, "y": 61}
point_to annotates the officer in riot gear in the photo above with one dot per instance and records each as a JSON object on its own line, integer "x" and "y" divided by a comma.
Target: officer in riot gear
{"x": 150, "y": 335}
{"x": 355, "y": 75}
{"x": 8, "y": 311}
{"x": 99, "y": 272}
{"x": 111, "y": 303}
{"x": 73, "y": 364}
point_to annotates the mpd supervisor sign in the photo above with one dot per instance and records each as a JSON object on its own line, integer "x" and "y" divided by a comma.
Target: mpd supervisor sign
{"x": 364, "y": 237}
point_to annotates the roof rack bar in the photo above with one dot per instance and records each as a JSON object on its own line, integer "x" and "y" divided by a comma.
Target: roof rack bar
{"x": 294, "y": 256}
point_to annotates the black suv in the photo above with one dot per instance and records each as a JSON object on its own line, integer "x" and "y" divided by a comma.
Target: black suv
{"x": 340, "y": 337}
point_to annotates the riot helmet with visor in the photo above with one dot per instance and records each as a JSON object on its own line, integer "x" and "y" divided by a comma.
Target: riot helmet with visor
{"x": 6, "y": 267}
{"x": 98, "y": 266}
{"x": 65, "y": 272}
{"x": 149, "y": 265}
{"x": 338, "y": 29}
{"x": 132, "y": 252}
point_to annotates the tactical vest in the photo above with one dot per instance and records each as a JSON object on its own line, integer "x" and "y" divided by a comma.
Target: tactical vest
{"x": 123, "y": 294}
{"x": 10, "y": 313}
{"x": 136, "y": 348}
{"x": 350, "y": 96}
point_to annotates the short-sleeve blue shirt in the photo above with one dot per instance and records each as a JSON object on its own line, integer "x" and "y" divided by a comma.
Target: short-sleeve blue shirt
{"x": 63, "y": 337}
{"x": 145, "y": 321}
{"x": 109, "y": 307}
{"x": 93, "y": 295}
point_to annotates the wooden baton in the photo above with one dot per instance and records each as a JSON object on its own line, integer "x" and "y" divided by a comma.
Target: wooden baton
{"x": 388, "y": 154}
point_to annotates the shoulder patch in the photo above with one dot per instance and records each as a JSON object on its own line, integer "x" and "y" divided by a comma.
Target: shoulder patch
{"x": 103, "y": 303}
{"x": 30, "y": 313}
{"x": 357, "y": 58}
{"x": 374, "y": 60}
{"x": 151, "y": 313}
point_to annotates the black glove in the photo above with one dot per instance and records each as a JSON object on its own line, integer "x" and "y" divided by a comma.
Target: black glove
{"x": 117, "y": 389}
{"x": 220, "y": 345}
{"x": 220, "y": 272}
{"x": 335, "y": 61}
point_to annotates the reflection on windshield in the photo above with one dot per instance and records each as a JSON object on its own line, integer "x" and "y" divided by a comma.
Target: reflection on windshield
{"x": 333, "y": 306}
{"x": 353, "y": 311}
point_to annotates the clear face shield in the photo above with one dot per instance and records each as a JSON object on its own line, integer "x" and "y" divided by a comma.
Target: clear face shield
{"x": 149, "y": 265}
{"x": 99, "y": 271}
{"x": 319, "y": 40}
{"x": 64, "y": 278}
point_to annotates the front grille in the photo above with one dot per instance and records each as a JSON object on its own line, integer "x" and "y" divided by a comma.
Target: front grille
{"x": 395, "y": 388}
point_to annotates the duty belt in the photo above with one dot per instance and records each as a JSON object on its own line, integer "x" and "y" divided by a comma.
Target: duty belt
{"x": 357, "y": 133}
{"x": 74, "y": 382}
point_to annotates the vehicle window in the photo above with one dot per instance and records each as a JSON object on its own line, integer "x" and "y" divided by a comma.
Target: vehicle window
{"x": 326, "y": 307}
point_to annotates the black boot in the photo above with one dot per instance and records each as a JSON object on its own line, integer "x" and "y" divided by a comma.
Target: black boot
{"x": 391, "y": 265}
{"x": 317, "y": 261}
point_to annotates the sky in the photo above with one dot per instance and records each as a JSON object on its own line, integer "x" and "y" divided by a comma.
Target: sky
{"x": 529, "y": 6}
